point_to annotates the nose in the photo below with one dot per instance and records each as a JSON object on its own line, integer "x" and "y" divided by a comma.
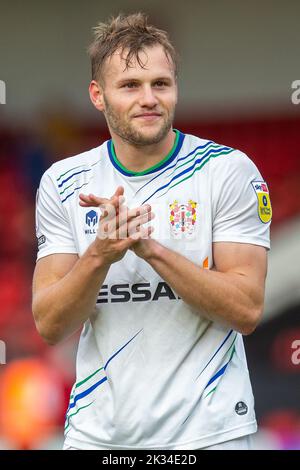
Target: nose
{"x": 147, "y": 97}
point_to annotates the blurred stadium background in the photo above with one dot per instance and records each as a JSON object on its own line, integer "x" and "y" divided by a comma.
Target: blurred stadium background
{"x": 238, "y": 63}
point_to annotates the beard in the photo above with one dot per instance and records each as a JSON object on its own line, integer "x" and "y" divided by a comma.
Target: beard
{"x": 124, "y": 128}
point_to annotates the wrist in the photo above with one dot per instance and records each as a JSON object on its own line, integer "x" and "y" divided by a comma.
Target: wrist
{"x": 95, "y": 257}
{"x": 154, "y": 251}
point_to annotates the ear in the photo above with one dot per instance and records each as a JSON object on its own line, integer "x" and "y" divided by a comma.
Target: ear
{"x": 96, "y": 95}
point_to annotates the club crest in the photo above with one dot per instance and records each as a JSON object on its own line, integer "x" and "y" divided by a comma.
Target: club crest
{"x": 183, "y": 219}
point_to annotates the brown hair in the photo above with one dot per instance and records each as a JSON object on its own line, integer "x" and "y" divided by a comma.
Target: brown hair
{"x": 130, "y": 32}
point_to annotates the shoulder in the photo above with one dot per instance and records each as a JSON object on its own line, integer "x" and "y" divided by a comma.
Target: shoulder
{"x": 218, "y": 157}
{"x": 75, "y": 165}
{"x": 73, "y": 169}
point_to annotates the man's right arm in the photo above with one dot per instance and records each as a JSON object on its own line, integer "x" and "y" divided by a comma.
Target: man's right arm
{"x": 66, "y": 287}
{"x": 65, "y": 290}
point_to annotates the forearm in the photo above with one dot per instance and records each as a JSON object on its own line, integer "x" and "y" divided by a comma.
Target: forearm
{"x": 62, "y": 307}
{"x": 224, "y": 297}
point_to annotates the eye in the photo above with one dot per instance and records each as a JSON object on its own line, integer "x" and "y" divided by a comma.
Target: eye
{"x": 130, "y": 85}
{"x": 160, "y": 83}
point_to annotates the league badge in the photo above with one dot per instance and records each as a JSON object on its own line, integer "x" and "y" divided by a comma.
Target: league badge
{"x": 264, "y": 203}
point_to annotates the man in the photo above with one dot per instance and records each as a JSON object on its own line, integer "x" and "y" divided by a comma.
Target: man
{"x": 161, "y": 362}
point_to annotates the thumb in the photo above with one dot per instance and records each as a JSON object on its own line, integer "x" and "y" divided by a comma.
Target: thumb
{"x": 119, "y": 191}
{"x": 118, "y": 199}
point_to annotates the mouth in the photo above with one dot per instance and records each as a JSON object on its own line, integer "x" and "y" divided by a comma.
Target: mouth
{"x": 148, "y": 116}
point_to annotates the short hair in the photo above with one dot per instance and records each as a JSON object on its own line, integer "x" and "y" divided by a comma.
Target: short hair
{"x": 127, "y": 32}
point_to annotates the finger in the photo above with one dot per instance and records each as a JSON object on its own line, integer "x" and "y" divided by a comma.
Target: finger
{"x": 130, "y": 241}
{"x": 107, "y": 230}
{"x": 86, "y": 204}
{"x": 125, "y": 230}
{"x": 86, "y": 197}
{"x": 135, "y": 224}
{"x": 118, "y": 197}
{"x": 109, "y": 212}
{"x": 137, "y": 211}
{"x": 148, "y": 231}
{"x": 92, "y": 197}
{"x": 109, "y": 208}
{"x": 107, "y": 223}
{"x": 100, "y": 201}
{"x": 85, "y": 201}
{"x": 117, "y": 201}
{"x": 91, "y": 200}
{"x": 136, "y": 216}
{"x": 110, "y": 220}
{"x": 142, "y": 233}
{"x": 121, "y": 222}
{"x": 122, "y": 214}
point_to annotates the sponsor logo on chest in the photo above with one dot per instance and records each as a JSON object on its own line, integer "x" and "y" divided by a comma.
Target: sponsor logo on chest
{"x": 91, "y": 222}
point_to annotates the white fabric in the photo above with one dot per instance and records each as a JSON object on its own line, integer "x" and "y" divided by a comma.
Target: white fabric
{"x": 241, "y": 443}
{"x": 152, "y": 373}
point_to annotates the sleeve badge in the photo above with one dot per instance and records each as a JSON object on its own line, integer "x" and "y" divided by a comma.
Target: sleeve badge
{"x": 264, "y": 202}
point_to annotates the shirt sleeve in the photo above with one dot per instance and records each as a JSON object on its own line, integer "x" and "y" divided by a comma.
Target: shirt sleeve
{"x": 241, "y": 204}
{"x": 53, "y": 229}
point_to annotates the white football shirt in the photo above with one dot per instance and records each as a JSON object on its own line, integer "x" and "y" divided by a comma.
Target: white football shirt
{"x": 153, "y": 373}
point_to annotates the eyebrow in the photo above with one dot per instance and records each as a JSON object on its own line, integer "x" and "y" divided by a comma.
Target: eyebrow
{"x": 122, "y": 81}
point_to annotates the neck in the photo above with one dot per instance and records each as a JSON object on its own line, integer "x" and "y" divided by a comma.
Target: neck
{"x": 136, "y": 158}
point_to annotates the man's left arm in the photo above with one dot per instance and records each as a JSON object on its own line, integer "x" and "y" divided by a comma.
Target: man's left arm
{"x": 231, "y": 293}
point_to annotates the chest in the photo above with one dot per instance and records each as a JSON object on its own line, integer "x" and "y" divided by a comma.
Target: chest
{"x": 182, "y": 208}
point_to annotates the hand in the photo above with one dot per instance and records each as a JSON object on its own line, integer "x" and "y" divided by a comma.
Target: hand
{"x": 94, "y": 201}
{"x": 119, "y": 228}
{"x": 145, "y": 248}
